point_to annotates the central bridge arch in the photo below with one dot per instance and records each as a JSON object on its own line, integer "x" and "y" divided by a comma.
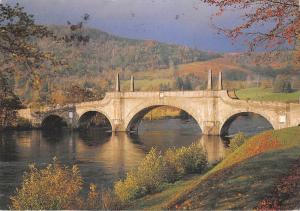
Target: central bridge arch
{"x": 135, "y": 116}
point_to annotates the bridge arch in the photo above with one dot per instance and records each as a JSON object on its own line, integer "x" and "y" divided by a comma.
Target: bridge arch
{"x": 232, "y": 117}
{"x": 89, "y": 114}
{"x": 53, "y": 121}
{"x": 136, "y": 115}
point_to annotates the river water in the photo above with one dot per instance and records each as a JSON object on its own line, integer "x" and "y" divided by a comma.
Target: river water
{"x": 104, "y": 157}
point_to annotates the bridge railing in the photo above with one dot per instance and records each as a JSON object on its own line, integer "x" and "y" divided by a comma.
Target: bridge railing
{"x": 200, "y": 93}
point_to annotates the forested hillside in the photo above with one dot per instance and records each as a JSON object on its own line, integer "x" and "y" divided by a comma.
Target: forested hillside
{"x": 104, "y": 52}
{"x": 86, "y": 70}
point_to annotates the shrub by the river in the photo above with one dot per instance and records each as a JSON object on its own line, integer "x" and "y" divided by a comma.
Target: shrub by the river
{"x": 193, "y": 158}
{"x": 102, "y": 200}
{"x": 55, "y": 187}
{"x": 173, "y": 165}
{"x": 156, "y": 170}
{"x": 148, "y": 177}
{"x": 184, "y": 160}
{"x": 236, "y": 142}
{"x": 58, "y": 187}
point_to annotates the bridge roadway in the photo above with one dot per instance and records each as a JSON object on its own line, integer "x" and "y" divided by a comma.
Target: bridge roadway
{"x": 213, "y": 110}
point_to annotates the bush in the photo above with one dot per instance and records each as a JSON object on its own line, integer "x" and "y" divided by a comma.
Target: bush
{"x": 55, "y": 187}
{"x": 173, "y": 165}
{"x": 103, "y": 200}
{"x": 236, "y": 142}
{"x": 193, "y": 158}
{"x": 129, "y": 188}
{"x": 155, "y": 170}
{"x": 147, "y": 178}
{"x": 184, "y": 160}
{"x": 58, "y": 187}
{"x": 282, "y": 84}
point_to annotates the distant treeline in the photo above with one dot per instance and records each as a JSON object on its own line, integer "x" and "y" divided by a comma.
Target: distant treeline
{"x": 106, "y": 52}
{"x": 268, "y": 71}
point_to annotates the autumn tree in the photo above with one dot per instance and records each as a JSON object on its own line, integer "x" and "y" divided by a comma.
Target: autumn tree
{"x": 59, "y": 187}
{"x": 269, "y": 24}
{"x": 18, "y": 43}
{"x": 21, "y": 54}
{"x": 18, "y": 37}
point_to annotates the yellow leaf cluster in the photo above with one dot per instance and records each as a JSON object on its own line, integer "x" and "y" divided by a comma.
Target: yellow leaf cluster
{"x": 55, "y": 187}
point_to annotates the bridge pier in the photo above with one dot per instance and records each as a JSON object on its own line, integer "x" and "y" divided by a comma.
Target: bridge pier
{"x": 211, "y": 128}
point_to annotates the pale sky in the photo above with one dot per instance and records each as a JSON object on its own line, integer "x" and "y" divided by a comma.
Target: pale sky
{"x": 185, "y": 22}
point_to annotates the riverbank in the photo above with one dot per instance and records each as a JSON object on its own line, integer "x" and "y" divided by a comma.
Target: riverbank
{"x": 245, "y": 179}
{"x": 9, "y": 120}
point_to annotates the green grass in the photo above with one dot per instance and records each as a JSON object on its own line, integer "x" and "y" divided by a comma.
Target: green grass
{"x": 239, "y": 181}
{"x": 261, "y": 94}
{"x": 244, "y": 185}
{"x": 159, "y": 200}
{"x": 146, "y": 84}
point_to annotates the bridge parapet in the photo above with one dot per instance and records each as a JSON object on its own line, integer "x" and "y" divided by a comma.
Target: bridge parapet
{"x": 200, "y": 93}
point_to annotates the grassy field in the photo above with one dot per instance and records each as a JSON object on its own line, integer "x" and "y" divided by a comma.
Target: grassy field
{"x": 146, "y": 84}
{"x": 241, "y": 181}
{"x": 267, "y": 95}
{"x": 160, "y": 200}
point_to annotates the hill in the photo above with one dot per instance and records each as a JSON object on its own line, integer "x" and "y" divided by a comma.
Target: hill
{"x": 263, "y": 173}
{"x": 91, "y": 68}
{"x": 99, "y": 59}
{"x": 106, "y": 52}
{"x": 244, "y": 64}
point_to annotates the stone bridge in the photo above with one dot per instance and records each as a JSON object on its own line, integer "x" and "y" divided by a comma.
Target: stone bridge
{"x": 212, "y": 109}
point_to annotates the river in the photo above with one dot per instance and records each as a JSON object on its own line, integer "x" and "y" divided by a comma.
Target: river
{"x": 104, "y": 157}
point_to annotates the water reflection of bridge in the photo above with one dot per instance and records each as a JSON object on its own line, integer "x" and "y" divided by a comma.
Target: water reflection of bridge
{"x": 115, "y": 152}
{"x": 122, "y": 152}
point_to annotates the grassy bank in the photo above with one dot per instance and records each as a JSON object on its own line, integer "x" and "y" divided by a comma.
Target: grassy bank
{"x": 241, "y": 181}
{"x": 261, "y": 94}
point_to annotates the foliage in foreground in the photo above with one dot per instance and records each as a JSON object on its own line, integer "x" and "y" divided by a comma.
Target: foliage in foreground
{"x": 184, "y": 160}
{"x": 58, "y": 187}
{"x": 156, "y": 170}
{"x": 147, "y": 178}
{"x": 237, "y": 141}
